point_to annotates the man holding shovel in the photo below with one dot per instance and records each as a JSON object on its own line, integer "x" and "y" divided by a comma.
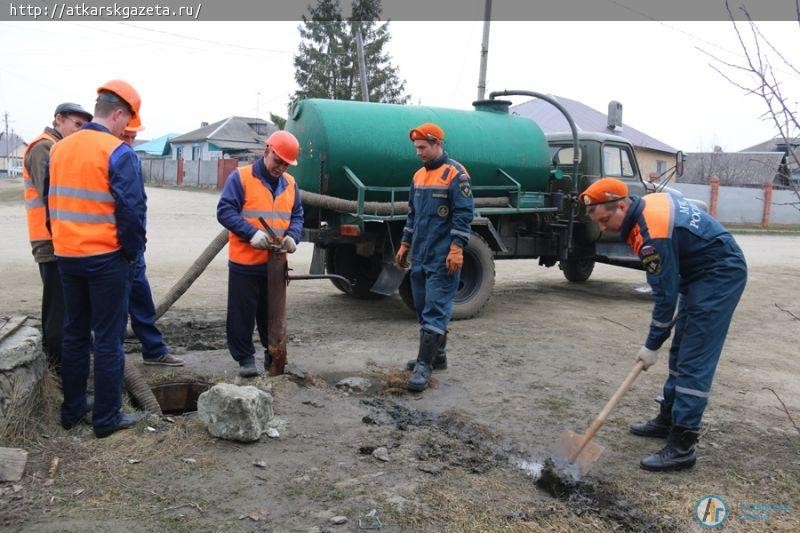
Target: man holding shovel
{"x": 693, "y": 264}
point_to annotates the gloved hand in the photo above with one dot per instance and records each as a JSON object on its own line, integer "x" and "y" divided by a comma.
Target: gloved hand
{"x": 402, "y": 256}
{"x": 260, "y": 240}
{"x": 648, "y": 356}
{"x": 288, "y": 245}
{"x": 455, "y": 259}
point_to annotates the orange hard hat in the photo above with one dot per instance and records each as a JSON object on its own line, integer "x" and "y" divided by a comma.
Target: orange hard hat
{"x": 426, "y": 132}
{"x": 285, "y": 145}
{"x": 125, "y": 91}
{"x": 603, "y": 191}
{"x": 135, "y": 124}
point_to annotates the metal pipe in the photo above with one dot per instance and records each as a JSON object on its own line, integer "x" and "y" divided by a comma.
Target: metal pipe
{"x": 277, "y": 273}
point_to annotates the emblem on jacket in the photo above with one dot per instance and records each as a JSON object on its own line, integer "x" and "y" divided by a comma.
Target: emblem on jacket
{"x": 443, "y": 211}
{"x": 651, "y": 259}
{"x": 466, "y": 190}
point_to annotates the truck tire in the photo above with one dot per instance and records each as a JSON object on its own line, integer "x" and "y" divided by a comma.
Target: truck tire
{"x": 477, "y": 279}
{"x": 361, "y": 271}
{"x": 475, "y": 285}
{"x": 577, "y": 270}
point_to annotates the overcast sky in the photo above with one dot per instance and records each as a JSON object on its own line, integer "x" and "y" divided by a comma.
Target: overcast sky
{"x": 205, "y": 71}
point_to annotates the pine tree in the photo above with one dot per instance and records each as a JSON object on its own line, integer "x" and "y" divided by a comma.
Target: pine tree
{"x": 326, "y": 65}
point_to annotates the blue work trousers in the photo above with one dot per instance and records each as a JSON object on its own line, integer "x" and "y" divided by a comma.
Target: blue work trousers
{"x": 143, "y": 312}
{"x": 433, "y": 291}
{"x": 704, "y": 315}
{"x": 247, "y": 305}
{"x": 95, "y": 301}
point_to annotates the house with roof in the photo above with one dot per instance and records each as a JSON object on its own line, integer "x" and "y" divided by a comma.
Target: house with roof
{"x": 779, "y": 144}
{"x": 234, "y": 137}
{"x": 12, "y": 150}
{"x": 654, "y": 156}
{"x": 735, "y": 169}
{"x": 156, "y": 148}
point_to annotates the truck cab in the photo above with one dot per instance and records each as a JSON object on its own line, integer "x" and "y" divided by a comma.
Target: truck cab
{"x": 603, "y": 155}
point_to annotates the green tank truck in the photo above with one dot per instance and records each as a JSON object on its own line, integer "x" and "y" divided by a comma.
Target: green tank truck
{"x": 356, "y": 166}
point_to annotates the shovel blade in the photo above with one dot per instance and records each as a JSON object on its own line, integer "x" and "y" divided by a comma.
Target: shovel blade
{"x": 389, "y": 280}
{"x": 570, "y": 442}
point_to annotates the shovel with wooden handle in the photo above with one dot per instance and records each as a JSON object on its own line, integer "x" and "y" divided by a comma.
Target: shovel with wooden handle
{"x": 579, "y": 449}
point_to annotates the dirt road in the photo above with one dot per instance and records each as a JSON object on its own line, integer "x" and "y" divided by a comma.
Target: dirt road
{"x": 543, "y": 356}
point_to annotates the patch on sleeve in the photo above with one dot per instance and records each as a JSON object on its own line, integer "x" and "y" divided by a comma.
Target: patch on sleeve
{"x": 651, "y": 259}
{"x": 465, "y": 188}
{"x": 463, "y": 177}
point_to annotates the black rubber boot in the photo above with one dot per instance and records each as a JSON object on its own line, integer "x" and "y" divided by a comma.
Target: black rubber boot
{"x": 678, "y": 454}
{"x": 657, "y": 427}
{"x": 439, "y": 361}
{"x": 428, "y": 349}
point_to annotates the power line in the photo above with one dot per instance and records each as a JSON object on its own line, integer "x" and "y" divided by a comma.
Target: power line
{"x": 216, "y": 43}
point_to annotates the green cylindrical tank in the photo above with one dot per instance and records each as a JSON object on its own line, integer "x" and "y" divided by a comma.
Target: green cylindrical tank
{"x": 372, "y": 140}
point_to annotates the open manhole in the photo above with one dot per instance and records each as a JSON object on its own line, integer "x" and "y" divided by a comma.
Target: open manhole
{"x": 179, "y": 398}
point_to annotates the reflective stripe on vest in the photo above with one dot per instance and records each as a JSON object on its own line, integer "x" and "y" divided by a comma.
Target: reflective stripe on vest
{"x": 34, "y": 205}
{"x": 81, "y": 205}
{"x": 258, "y": 202}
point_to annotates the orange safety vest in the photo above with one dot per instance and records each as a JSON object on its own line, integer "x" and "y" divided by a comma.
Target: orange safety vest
{"x": 81, "y": 205}
{"x": 258, "y": 202}
{"x": 34, "y": 205}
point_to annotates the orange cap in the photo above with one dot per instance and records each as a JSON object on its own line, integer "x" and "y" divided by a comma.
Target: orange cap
{"x": 426, "y": 132}
{"x": 135, "y": 124}
{"x": 125, "y": 91}
{"x": 285, "y": 145}
{"x": 603, "y": 191}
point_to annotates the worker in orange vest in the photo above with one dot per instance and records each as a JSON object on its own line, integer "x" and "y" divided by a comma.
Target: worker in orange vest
{"x": 141, "y": 308}
{"x": 263, "y": 189}
{"x": 68, "y": 118}
{"x": 97, "y": 216}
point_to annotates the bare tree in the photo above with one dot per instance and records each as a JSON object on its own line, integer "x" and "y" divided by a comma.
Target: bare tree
{"x": 756, "y": 75}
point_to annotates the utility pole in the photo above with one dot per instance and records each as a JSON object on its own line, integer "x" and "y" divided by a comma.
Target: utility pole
{"x": 487, "y": 17}
{"x": 8, "y": 144}
{"x": 362, "y": 66}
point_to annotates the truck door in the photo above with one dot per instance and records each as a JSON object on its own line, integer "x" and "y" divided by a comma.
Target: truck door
{"x": 619, "y": 162}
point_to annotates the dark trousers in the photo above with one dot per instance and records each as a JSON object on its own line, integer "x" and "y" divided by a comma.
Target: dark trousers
{"x": 52, "y": 313}
{"x": 143, "y": 312}
{"x": 704, "y": 315}
{"x": 247, "y": 306}
{"x": 433, "y": 291}
{"x": 96, "y": 301}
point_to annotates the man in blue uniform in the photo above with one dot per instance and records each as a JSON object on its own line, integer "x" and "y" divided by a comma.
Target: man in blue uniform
{"x": 141, "y": 307}
{"x": 437, "y": 230}
{"x": 693, "y": 264}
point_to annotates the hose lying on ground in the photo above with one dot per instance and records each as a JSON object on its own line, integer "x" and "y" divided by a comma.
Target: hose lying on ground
{"x": 138, "y": 388}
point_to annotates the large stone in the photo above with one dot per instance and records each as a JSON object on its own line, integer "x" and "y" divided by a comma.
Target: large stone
{"x": 22, "y": 365}
{"x": 234, "y": 412}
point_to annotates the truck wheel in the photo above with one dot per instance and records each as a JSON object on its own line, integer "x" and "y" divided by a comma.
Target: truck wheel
{"x": 477, "y": 279}
{"x": 577, "y": 270}
{"x": 361, "y": 271}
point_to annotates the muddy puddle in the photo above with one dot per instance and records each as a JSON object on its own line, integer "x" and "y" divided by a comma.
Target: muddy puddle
{"x": 478, "y": 450}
